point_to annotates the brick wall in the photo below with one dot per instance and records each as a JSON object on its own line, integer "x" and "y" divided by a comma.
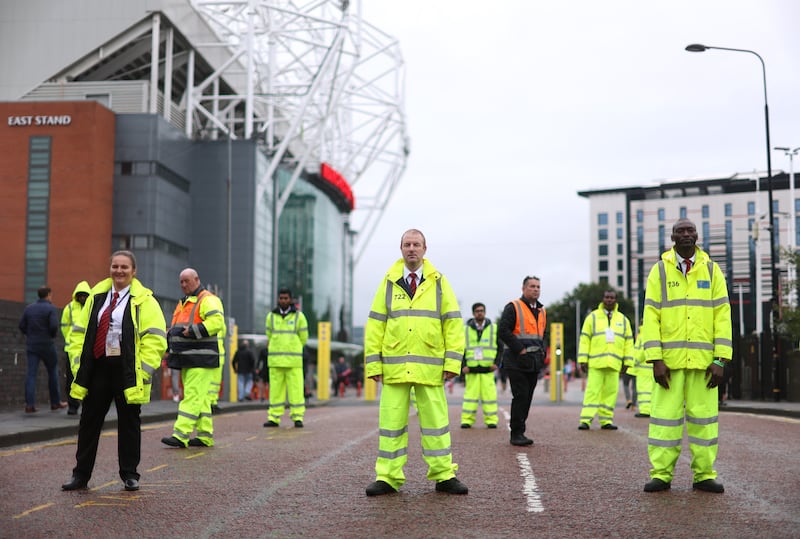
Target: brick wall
{"x": 14, "y": 364}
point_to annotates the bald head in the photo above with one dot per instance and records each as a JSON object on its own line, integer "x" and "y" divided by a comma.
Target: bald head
{"x": 190, "y": 281}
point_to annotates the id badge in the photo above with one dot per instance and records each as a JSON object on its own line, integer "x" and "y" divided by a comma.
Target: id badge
{"x": 609, "y": 335}
{"x": 479, "y": 354}
{"x": 112, "y": 343}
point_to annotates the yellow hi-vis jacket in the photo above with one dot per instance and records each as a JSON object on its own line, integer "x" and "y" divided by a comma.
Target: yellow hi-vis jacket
{"x": 413, "y": 340}
{"x": 604, "y": 344}
{"x": 687, "y": 320}
{"x": 70, "y": 313}
{"x": 286, "y": 335}
{"x": 144, "y": 341}
{"x": 480, "y": 354}
{"x": 204, "y": 316}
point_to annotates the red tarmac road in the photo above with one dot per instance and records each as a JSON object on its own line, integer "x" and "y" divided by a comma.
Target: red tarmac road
{"x": 310, "y": 482}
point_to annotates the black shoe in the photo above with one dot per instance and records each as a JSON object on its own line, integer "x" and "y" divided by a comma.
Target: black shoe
{"x": 72, "y": 411}
{"x": 378, "y": 488}
{"x": 215, "y": 409}
{"x": 298, "y": 424}
{"x": 628, "y": 405}
{"x": 639, "y": 414}
{"x": 656, "y": 485}
{"x": 519, "y": 439}
{"x": 172, "y": 442}
{"x": 197, "y": 442}
{"x": 491, "y": 426}
{"x": 76, "y": 483}
{"x": 609, "y": 426}
{"x": 466, "y": 426}
{"x": 452, "y": 486}
{"x": 270, "y": 424}
{"x": 131, "y": 484}
{"x": 583, "y": 426}
{"x": 709, "y": 485}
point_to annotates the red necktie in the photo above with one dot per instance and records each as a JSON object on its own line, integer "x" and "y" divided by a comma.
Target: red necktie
{"x": 412, "y": 284}
{"x": 688, "y": 265}
{"x": 102, "y": 328}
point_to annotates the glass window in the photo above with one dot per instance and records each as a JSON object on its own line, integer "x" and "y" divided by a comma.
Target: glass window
{"x": 639, "y": 216}
{"x": 620, "y": 265}
{"x": 37, "y": 222}
{"x": 603, "y": 250}
{"x": 751, "y": 208}
{"x": 619, "y": 233}
{"x": 603, "y": 266}
{"x": 602, "y": 219}
{"x": 683, "y": 212}
{"x": 640, "y": 239}
{"x": 706, "y": 237}
{"x": 660, "y": 214}
{"x": 619, "y": 217}
{"x": 619, "y": 249}
{"x": 620, "y": 281}
{"x": 728, "y": 209}
{"x": 602, "y": 234}
{"x": 661, "y": 235}
{"x": 705, "y": 211}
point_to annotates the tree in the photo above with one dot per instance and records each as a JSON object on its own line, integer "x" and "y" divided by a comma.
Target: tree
{"x": 590, "y": 296}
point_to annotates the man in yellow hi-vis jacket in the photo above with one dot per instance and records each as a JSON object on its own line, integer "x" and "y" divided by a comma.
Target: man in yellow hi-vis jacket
{"x": 687, "y": 337}
{"x": 605, "y": 350}
{"x": 414, "y": 339}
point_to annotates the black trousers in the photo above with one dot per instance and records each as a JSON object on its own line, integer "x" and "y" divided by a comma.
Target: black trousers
{"x": 106, "y": 386}
{"x": 522, "y": 385}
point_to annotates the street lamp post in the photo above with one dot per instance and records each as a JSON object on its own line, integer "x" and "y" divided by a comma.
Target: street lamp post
{"x": 696, "y": 47}
{"x": 792, "y": 274}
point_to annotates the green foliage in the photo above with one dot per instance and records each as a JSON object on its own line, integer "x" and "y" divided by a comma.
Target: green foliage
{"x": 590, "y": 296}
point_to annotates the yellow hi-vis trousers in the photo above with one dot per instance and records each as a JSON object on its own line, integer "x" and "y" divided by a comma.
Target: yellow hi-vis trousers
{"x": 480, "y": 388}
{"x": 393, "y": 427}
{"x": 216, "y": 383}
{"x": 194, "y": 411}
{"x": 689, "y": 398}
{"x": 286, "y": 382}
{"x": 644, "y": 387}
{"x": 600, "y": 398}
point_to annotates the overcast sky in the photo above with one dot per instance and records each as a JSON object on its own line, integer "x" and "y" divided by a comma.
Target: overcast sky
{"x": 515, "y": 105}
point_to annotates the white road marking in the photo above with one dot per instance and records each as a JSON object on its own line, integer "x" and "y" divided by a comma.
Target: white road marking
{"x": 529, "y": 487}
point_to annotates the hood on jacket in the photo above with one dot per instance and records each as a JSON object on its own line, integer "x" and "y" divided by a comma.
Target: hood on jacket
{"x": 81, "y": 287}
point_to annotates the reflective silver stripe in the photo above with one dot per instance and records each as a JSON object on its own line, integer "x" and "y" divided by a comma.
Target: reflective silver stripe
{"x": 393, "y": 454}
{"x": 651, "y": 344}
{"x": 474, "y": 401}
{"x": 706, "y": 303}
{"x": 284, "y": 331}
{"x": 652, "y": 303}
{"x": 188, "y": 415}
{"x": 700, "y": 441}
{"x": 673, "y": 345}
{"x": 78, "y": 329}
{"x": 205, "y": 414}
{"x": 205, "y": 434}
{"x": 606, "y": 354}
{"x": 211, "y": 313}
{"x": 387, "y": 433}
{"x": 702, "y": 420}
{"x": 723, "y": 342}
{"x": 663, "y": 443}
{"x": 373, "y": 357}
{"x": 153, "y": 331}
{"x": 399, "y": 360}
{"x": 419, "y": 313}
{"x": 436, "y": 452}
{"x": 378, "y": 316}
{"x": 451, "y": 314}
{"x": 148, "y": 369}
{"x": 435, "y": 432}
{"x": 666, "y": 422}
{"x": 452, "y": 355}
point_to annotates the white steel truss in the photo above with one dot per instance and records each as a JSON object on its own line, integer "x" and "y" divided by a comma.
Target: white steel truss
{"x": 316, "y": 83}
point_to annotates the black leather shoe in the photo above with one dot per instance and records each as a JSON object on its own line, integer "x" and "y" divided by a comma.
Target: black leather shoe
{"x": 609, "y": 426}
{"x": 379, "y": 488}
{"x": 76, "y": 483}
{"x": 583, "y": 426}
{"x": 639, "y": 414}
{"x": 298, "y": 424}
{"x": 519, "y": 439}
{"x": 656, "y": 485}
{"x": 491, "y": 426}
{"x": 709, "y": 485}
{"x": 452, "y": 486}
{"x": 172, "y": 442}
{"x": 270, "y": 424}
{"x": 72, "y": 411}
{"x": 131, "y": 484}
{"x": 466, "y": 426}
{"x": 197, "y": 442}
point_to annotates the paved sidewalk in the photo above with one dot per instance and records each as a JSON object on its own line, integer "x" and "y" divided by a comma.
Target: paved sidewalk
{"x": 17, "y": 427}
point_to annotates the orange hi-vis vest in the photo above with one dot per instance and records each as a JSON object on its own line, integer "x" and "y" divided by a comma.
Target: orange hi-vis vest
{"x": 197, "y": 350}
{"x": 529, "y": 330}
